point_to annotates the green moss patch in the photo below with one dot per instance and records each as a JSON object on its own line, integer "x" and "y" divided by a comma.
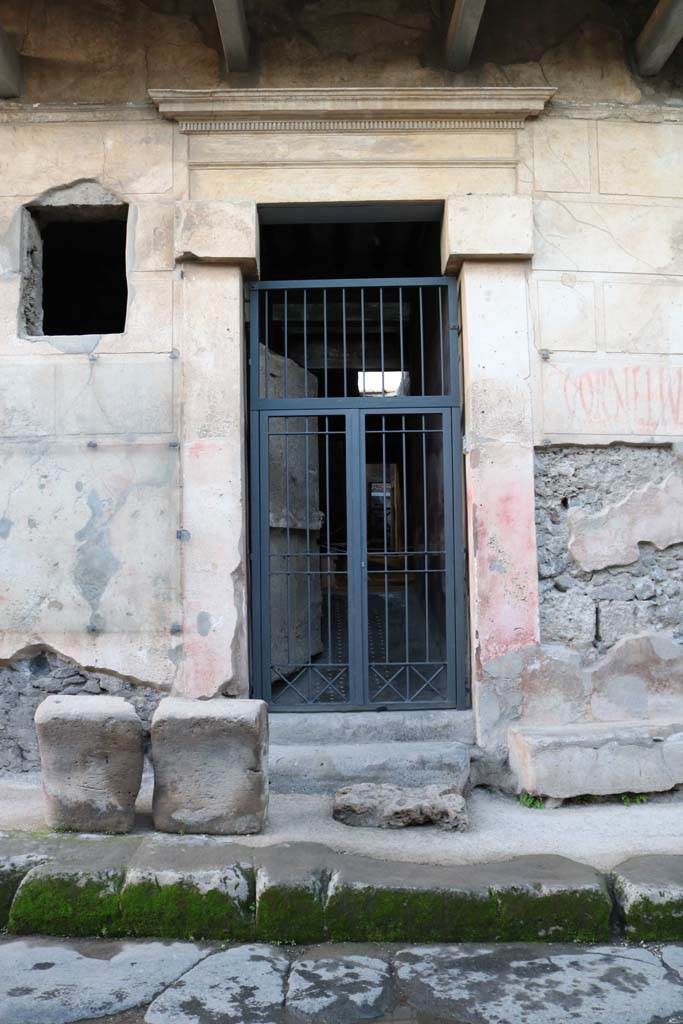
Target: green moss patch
{"x": 382, "y": 915}
{"x": 290, "y": 914}
{"x": 647, "y": 921}
{"x": 571, "y": 916}
{"x": 182, "y": 911}
{"x": 10, "y": 879}
{"x": 400, "y": 915}
{"x": 66, "y": 905}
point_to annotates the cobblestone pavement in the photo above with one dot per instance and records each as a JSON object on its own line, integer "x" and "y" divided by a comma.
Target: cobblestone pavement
{"x": 48, "y": 981}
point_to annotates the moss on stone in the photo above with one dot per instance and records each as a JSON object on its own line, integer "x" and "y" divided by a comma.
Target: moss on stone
{"x": 400, "y": 915}
{"x": 66, "y": 905}
{"x": 647, "y": 921}
{"x": 10, "y": 878}
{"x": 381, "y": 915}
{"x": 570, "y": 916}
{"x": 290, "y": 914}
{"x": 182, "y": 911}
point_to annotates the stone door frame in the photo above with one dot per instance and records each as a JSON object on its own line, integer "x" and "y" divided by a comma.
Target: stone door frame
{"x": 487, "y": 239}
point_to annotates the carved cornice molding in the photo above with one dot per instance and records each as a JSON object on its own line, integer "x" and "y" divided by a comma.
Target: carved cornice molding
{"x": 351, "y": 110}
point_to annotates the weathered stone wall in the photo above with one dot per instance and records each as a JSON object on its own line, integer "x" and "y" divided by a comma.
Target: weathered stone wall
{"x": 28, "y": 681}
{"x": 593, "y": 609}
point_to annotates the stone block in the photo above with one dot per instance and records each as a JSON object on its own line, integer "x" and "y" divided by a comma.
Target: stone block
{"x": 115, "y": 395}
{"x": 91, "y": 752}
{"x": 369, "y": 805}
{"x": 485, "y": 227}
{"x": 566, "y": 313}
{"x": 649, "y": 894}
{"x": 652, "y": 514}
{"x": 640, "y": 159}
{"x": 75, "y": 894}
{"x": 561, "y": 155}
{"x": 218, "y": 231}
{"x": 597, "y": 758}
{"x": 189, "y": 890}
{"x": 210, "y": 765}
{"x": 526, "y": 899}
{"x": 291, "y": 880}
{"x": 640, "y": 677}
{"x": 644, "y": 317}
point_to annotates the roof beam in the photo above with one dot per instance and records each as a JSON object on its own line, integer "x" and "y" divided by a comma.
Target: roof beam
{"x": 232, "y": 24}
{"x": 462, "y": 32}
{"x": 659, "y": 38}
{"x": 9, "y": 67}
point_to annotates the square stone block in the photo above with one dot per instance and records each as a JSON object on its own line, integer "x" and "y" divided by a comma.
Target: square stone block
{"x": 210, "y": 765}
{"x": 91, "y": 752}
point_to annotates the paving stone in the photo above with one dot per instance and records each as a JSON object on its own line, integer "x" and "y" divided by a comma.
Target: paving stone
{"x": 243, "y": 985}
{"x": 45, "y": 982}
{"x": 194, "y": 888}
{"x": 373, "y": 805}
{"x": 92, "y": 753}
{"x": 338, "y": 989}
{"x": 538, "y": 985}
{"x": 529, "y": 898}
{"x": 649, "y": 892}
{"x": 291, "y": 880}
{"x": 17, "y": 857}
{"x": 210, "y": 766}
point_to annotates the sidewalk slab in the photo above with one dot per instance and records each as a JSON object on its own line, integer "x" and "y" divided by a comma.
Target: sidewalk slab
{"x": 649, "y": 894}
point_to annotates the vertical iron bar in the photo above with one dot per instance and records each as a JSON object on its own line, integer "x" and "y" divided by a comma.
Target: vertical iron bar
{"x": 305, "y": 343}
{"x": 266, "y": 343}
{"x": 439, "y": 300}
{"x": 288, "y": 513}
{"x": 384, "y": 524}
{"x": 426, "y": 535}
{"x": 400, "y": 327}
{"x": 309, "y": 650}
{"x": 264, "y": 531}
{"x": 327, "y": 390}
{"x": 405, "y": 548}
{"x": 286, "y": 341}
{"x": 344, "y": 367}
{"x": 423, "y": 390}
{"x": 327, "y": 531}
{"x": 362, "y": 334}
{"x": 381, "y": 336}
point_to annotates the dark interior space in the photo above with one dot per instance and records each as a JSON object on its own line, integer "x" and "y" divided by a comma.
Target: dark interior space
{"x": 354, "y": 248}
{"x": 84, "y": 276}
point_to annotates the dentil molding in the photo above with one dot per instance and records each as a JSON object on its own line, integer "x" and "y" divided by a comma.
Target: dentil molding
{"x": 351, "y": 109}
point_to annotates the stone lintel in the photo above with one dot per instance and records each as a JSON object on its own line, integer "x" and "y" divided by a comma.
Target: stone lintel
{"x": 486, "y": 227}
{"x": 356, "y": 109}
{"x": 218, "y": 231}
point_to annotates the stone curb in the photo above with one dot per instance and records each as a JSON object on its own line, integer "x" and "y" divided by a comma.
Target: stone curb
{"x": 299, "y": 893}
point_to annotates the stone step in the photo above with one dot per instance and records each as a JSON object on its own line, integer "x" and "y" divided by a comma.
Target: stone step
{"x": 597, "y": 758}
{"x": 307, "y": 768}
{"x": 320, "y": 728}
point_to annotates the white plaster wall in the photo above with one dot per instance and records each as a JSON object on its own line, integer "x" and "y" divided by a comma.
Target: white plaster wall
{"x": 607, "y": 282}
{"x": 90, "y": 485}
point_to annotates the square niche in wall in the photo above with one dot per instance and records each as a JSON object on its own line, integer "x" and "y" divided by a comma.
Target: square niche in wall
{"x": 74, "y": 263}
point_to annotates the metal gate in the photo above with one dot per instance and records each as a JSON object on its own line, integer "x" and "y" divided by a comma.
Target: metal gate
{"x": 357, "y": 553}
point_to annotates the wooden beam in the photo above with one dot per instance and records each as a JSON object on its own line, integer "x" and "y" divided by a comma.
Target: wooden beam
{"x": 659, "y": 38}
{"x": 232, "y": 24}
{"x": 462, "y": 32}
{"x": 9, "y": 67}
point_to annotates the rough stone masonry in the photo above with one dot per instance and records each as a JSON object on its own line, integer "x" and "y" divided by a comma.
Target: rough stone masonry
{"x": 591, "y": 610}
{"x": 26, "y": 682}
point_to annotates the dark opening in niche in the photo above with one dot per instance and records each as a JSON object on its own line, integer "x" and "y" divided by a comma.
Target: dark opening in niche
{"x": 84, "y": 287}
